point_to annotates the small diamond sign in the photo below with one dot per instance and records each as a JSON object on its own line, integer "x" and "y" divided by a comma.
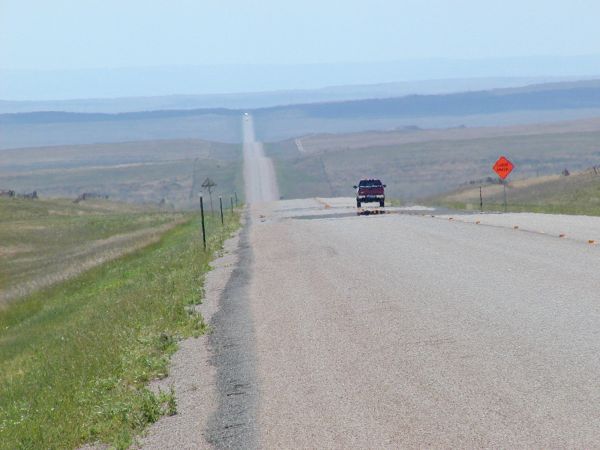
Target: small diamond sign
{"x": 503, "y": 167}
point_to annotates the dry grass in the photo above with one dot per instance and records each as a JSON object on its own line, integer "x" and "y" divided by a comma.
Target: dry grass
{"x": 421, "y": 164}
{"x": 578, "y": 193}
{"x": 142, "y": 172}
{"x": 47, "y": 241}
{"x": 320, "y": 143}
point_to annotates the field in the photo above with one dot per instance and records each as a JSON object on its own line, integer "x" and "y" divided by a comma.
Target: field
{"x": 578, "y": 193}
{"x": 75, "y": 357}
{"x": 140, "y": 172}
{"x": 49, "y": 132}
{"x": 46, "y": 241}
{"x": 418, "y": 164}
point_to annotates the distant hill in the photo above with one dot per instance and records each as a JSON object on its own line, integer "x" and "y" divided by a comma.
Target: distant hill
{"x": 62, "y": 117}
{"x": 252, "y": 100}
{"x": 483, "y": 102}
{"x": 535, "y": 103}
{"x": 417, "y": 164}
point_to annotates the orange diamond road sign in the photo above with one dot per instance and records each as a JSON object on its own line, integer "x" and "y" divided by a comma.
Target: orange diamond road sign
{"x": 503, "y": 167}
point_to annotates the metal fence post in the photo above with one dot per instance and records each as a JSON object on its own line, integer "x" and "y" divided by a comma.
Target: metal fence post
{"x": 480, "y": 200}
{"x": 231, "y": 198}
{"x": 202, "y": 217}
{"x": 236, "y": 200}
{"x": 221, "y": 206}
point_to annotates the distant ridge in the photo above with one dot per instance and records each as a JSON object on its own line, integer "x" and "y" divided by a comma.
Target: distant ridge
{"x": 553, "y": 96}
{"x": 253, "y": 100}
{"x": 64, "y": 117}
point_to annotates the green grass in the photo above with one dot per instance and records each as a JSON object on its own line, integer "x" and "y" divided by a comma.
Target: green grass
{"x": 75, "y": 359}
{"x": 43, "y": 239}
{"x": 578, "y": 194}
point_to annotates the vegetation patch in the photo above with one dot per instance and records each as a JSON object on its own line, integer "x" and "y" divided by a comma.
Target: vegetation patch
{"x": 578, "y": 194}
{"x": 45, "y": 241}
{"x": 75, "y": 359}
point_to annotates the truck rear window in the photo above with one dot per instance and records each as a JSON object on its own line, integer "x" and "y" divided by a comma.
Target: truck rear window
{"x": 369, "y": 183}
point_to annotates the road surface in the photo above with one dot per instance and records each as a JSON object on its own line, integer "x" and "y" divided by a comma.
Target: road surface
{"x": 259, "y": 174}
{"x": 406, "y": 329}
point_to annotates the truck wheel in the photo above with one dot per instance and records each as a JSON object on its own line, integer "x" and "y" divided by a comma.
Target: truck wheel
{"x": 382, "y": 203}
{"x": 358, "y": 203}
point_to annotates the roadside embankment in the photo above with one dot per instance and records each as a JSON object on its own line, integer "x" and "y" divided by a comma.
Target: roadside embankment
{"x": 76, "y": 358}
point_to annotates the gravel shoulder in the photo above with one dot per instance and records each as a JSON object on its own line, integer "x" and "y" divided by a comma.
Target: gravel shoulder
{"x": 193, "y": 373}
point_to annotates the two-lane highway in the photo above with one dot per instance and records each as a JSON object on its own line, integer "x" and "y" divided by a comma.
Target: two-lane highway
{"x": 399, "y": 330}
{"x": 259, "y": 174}
{"x": 403, "y": 330}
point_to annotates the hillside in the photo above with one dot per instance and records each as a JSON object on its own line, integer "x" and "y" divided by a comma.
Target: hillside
{"x": 578, "y": 193}
{"x": 101, "y": 295}
{"x": 141, "y": 172}
{"x": 421, "y": 163}
{"x": 43, "y": 242}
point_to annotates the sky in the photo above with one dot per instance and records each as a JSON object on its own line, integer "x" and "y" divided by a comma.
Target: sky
{"x": 103, "y": 48}
{"x": 75, "y": 34}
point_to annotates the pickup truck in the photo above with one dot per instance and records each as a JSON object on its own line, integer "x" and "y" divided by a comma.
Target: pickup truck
{"x": 370, "y": 191}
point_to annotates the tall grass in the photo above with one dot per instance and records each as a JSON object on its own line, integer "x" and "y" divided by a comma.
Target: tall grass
{"x": 75, "y": 358}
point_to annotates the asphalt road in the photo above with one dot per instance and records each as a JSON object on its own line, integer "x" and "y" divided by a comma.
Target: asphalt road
{"x": 409, "y": 330}
{"x": 259, "y": 174}
{"x": 405, "y": 329}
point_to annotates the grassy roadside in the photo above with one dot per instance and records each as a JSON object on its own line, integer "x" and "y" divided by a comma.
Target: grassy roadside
{"x": 49, "y": 240}
{"x": 75, "y": 358}
{"x": 577, "y": 194}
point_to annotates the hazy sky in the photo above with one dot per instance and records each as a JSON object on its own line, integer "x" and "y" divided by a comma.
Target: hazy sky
{"x": 68, "y": 34}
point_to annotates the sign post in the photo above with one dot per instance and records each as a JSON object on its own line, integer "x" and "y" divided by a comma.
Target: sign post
{"x": 209, "y": 184}
{"x": 480, "y": 200}
{"x": 503, "y": 167}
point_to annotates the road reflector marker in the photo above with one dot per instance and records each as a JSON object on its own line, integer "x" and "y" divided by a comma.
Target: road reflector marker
{"x": 477, "y": 222}
{"x": 561, "y": 235}
{"x": 450, "y": 218}
{"x": 592, "y": 241}
{"x": 516, "y": 227}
